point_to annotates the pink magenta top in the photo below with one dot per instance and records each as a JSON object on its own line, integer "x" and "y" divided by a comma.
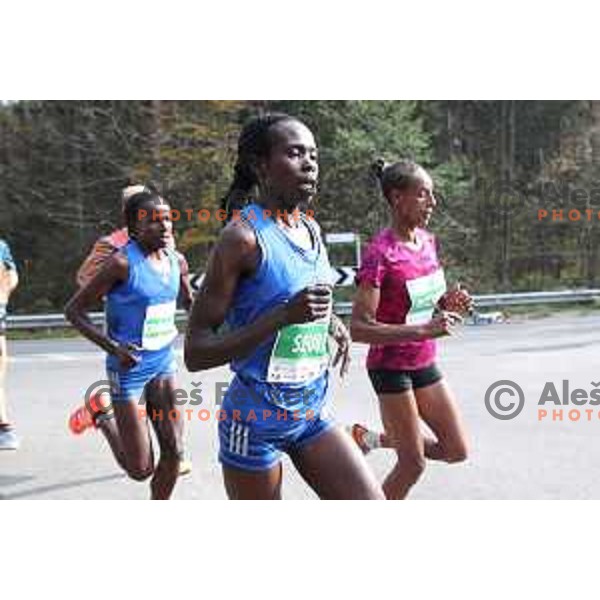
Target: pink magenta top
{"x": 411, "y": 281}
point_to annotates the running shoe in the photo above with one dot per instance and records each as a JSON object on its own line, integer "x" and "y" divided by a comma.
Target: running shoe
{"x": 85, "y": 416}
{"x": 185, "y": 467}
{"x": 359, "y": 434}
{"x": 8, "y": 438}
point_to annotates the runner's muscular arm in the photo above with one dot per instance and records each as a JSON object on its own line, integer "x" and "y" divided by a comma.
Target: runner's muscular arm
{"x": 113, "y": 271}
{"x": 185, "y": 289}
{"x": 101, "y": 250}
{"x": 366, "y": 329}
{"x": 236, "y": 255}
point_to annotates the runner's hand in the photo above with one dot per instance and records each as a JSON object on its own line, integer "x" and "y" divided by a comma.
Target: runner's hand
{"x": 342, "y": 338}
{"x": 311, "y": 304}
{"x": 124, "y": 352}
{"x": 442, "y": 324}
{"x": 456, "y": 300}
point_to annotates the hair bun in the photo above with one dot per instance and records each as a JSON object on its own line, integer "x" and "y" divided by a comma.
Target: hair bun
{"x": 378, "y": 167}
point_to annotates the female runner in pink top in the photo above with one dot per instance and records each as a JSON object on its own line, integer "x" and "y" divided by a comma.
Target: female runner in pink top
{"x": 401, "y": 306}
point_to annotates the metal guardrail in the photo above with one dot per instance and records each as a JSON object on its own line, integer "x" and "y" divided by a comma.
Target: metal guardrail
{"x": 58, "y": 320}
{"x": 517, "y": 299}
{"x": 535, "y": 298}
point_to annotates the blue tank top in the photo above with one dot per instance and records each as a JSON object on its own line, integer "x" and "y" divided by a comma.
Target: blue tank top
{"x": 141, "y": 310}
{"x": 298, "y": 355}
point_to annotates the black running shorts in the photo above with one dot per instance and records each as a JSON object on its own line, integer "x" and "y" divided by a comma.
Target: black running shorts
{"x": 394, "y": 382}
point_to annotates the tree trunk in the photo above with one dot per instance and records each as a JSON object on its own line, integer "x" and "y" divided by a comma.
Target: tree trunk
{"x": 507, "y": 168}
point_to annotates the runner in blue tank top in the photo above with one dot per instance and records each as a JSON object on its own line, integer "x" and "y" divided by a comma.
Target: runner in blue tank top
{"x": 269, "y": 280}
{"x": 82, "y": 418}
{"x": 142, "y": 283}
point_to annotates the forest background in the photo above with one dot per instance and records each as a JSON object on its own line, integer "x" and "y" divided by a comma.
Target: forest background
{"x": 497, "y": 166}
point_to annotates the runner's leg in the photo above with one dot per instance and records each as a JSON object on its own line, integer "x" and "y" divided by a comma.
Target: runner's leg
{"x": 132, "y": 440}
{"x": 3, "y": 368}
{"x": 400, "y": 416}
{"x": 335, "y": 469}
{"x": 166, "y": 420}
{"x": 439, "y": 409}
{"x": 249, "y": 485}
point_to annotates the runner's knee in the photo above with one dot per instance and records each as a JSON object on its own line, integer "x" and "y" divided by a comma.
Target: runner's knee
{"x": 139, "y": 472}
{"x": 171, "y": 450}
{"x": 457, "y": 455}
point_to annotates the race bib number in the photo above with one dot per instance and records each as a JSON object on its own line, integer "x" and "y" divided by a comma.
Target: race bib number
{"x": 159, "y": 326}
{"x": 424, "y": 293}
{"x": 300, "y": 352}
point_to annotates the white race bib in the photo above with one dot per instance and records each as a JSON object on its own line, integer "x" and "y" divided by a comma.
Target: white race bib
{"x": 424, "y": 293}
{"x": 159, "y": 326}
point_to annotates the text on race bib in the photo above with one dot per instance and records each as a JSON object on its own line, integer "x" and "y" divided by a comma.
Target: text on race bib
{"x": 300, "y": 352}
{"x": 159, "y": 326}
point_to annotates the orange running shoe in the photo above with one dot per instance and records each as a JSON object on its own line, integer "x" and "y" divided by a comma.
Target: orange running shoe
{"x": 85, "y": 416}
{"x": 80, "y": 420}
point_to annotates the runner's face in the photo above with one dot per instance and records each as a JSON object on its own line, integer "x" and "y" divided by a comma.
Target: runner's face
{"x": 414, "y": 205}
{"x": 291, "y": 171}
{"x": 155, "y": 229}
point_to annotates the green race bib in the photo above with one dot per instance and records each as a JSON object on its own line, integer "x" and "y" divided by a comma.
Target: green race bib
{"x": 424, "y": 293}
{"x": 300, "y": 352}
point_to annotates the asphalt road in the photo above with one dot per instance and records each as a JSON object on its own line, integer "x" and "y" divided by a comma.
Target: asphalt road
{"x": 519, "y": 458}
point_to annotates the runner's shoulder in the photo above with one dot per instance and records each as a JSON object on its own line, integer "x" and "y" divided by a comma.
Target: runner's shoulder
{"x": 379, "y": 245}
{"x": 183, "y": 263}
{"x": 117, "y": 262}
{"x": 118, "y": 238}
{"x": 312, "y": 221}
{"x": 104, "y": 247}
{"x": 238, "y": 247}
{"x": 238, "y": 236}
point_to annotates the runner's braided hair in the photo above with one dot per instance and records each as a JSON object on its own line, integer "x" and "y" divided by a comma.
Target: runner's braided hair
{"x": 254, "y": 144}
